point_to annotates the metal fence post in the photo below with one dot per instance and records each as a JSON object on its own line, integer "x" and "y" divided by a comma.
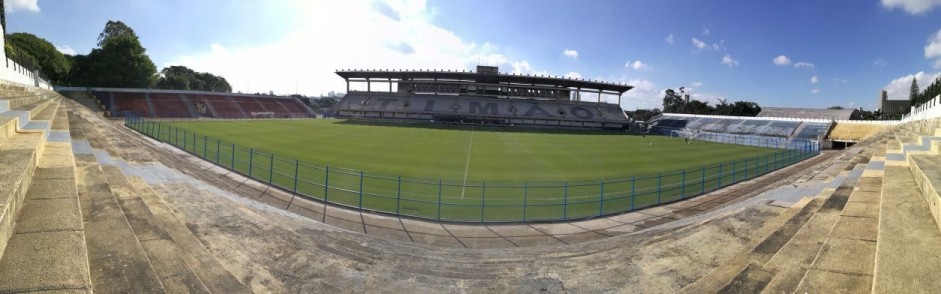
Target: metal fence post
{"x": 184, "y": 140}
{"x": 398, "y": 196}
{"x": 683, "y": 185}
{"x": 633, "y": 189}
{"x": 525, "y": 198}
{"x": 733, "y": 171}
{"x": 326, "y": 184}
{"x": 601, "y": 201}
{"x": 483, "y": 201}
{"x": 297, "y": 164}
{"x": 361, "y": 190}
{"x": 158, "y": 132}
{"x": 218, "y": 149}
{"x": 719, "y": 182}
{"x": 194, "y": 144}
{"x": 205, "y": 143}
{"x": 233, "y": 157}
{"x": 271, "y": 169}
{"x": 251, "y": 157}
{"x": 659, "y": 186}
{"x": 439, "y": 200}
{"x": 565, "y": 200}
{"x": 702, "y": 182}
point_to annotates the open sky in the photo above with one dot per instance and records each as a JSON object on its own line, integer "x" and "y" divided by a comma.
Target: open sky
{"x": 801, "y": 53}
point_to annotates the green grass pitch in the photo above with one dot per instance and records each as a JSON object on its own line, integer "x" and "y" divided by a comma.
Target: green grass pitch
{"x": 465, "y": 173}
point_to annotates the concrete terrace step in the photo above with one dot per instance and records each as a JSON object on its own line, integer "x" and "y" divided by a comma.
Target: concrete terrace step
{"x": 16, "y": 119}
{"x": 19, "y": 156}
{"x": 908, "y": 254}
{"x": 47, "y": 251}
{"x": 846, "y": 260}
{"x": 180, "y": 263}
{"x": 117, "y": 260}
{"x": 737, "y": 273}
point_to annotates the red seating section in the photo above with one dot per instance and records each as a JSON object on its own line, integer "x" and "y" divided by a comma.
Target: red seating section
{"x": 169, "y": 105}
{"x": 133, "y": 102}
{"x": 219, "y": 105}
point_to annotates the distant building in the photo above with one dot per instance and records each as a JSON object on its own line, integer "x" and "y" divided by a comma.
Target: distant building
{"x": 893, "y": 107}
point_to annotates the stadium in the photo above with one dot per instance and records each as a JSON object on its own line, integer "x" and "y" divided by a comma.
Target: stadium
{"x": 455, "y": 181}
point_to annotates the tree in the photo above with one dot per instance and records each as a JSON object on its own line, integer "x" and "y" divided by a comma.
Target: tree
{"x": 913, "y": 95}
{"x": 120, "y": 61}
{"x": 745, "y": 108}
{"x": 115, "y": 29}
{"x": 672, "y": 102}
{"x": 48, "y": 59}
{"x": 183, "y": 78}
{"x": 835, "y": 107}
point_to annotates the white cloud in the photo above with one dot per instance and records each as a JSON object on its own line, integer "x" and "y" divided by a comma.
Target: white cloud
{"x": 671, "y": 39}
{"x": 841, "y": 81}
{"x": 696, "y": 84}
{"x": 728, "y": 61}
{"x": 706, "y": 30}
{"x": 814, "y": 80}
{"x": 899, "y": 88}
{"x": 911, "y": 6}
{"x": 14, "y": 5}
{"x": 573, "y": 75}
{"x": 933, "y": 48}
{"x": 880, "y": 62}
{"x": 781, "y": 60}
{"x": 700, "y": 45}
{"x": 645, "y": 95}
{"x": 570, "y": 53}
{"x": 309, "y": 55}
{"x": 802, "y": 64}
{"x": 814, "y": 91}
{"x": 66, "y": 49}
{"x": 637, "y": 65}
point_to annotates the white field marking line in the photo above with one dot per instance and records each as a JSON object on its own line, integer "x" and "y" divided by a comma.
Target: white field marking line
{"x": 470, "y": 146}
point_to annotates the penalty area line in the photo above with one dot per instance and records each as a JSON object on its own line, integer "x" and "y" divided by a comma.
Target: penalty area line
{"x": 470, "y": 146}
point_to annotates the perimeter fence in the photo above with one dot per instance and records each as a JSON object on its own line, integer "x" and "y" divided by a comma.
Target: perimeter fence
{"x": 473, "y": 201}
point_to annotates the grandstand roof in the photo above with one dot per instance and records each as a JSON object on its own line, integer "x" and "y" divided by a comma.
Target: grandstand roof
{"x": 811, "y": 113}
{"x": 474, "y": 76}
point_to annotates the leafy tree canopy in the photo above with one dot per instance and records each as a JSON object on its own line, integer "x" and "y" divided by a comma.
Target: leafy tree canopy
{"x": 47, "y": 58}
{"x": 183, "y": 78}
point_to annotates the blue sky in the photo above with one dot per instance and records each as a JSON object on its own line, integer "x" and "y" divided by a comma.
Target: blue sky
{"x": 782, "y": 53}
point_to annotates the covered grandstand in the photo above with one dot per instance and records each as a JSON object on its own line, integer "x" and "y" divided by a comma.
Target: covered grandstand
{"x": 482, "y": 97}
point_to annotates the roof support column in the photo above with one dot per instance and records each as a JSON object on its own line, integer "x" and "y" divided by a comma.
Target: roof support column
{"x": 390, "y": 85}
{"x": 347, "y": 85}
{"x": 368, "y": 85}
{"x": 599, "y": 96}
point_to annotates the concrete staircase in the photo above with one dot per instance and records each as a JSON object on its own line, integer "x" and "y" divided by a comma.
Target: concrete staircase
{"x": 71, "y": 224}
{"x": 44, "y": 238}
{"x": 879, "y": 233}
{"x": 822, "y": 244}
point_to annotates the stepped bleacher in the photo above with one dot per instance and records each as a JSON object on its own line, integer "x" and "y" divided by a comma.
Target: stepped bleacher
{"x": 88, "y": 206}
{"x": 789, "y": 133}
{"x": 471, "y": 109}
{"x": 190, "y": 104}
{"x": 854, "y": 132}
